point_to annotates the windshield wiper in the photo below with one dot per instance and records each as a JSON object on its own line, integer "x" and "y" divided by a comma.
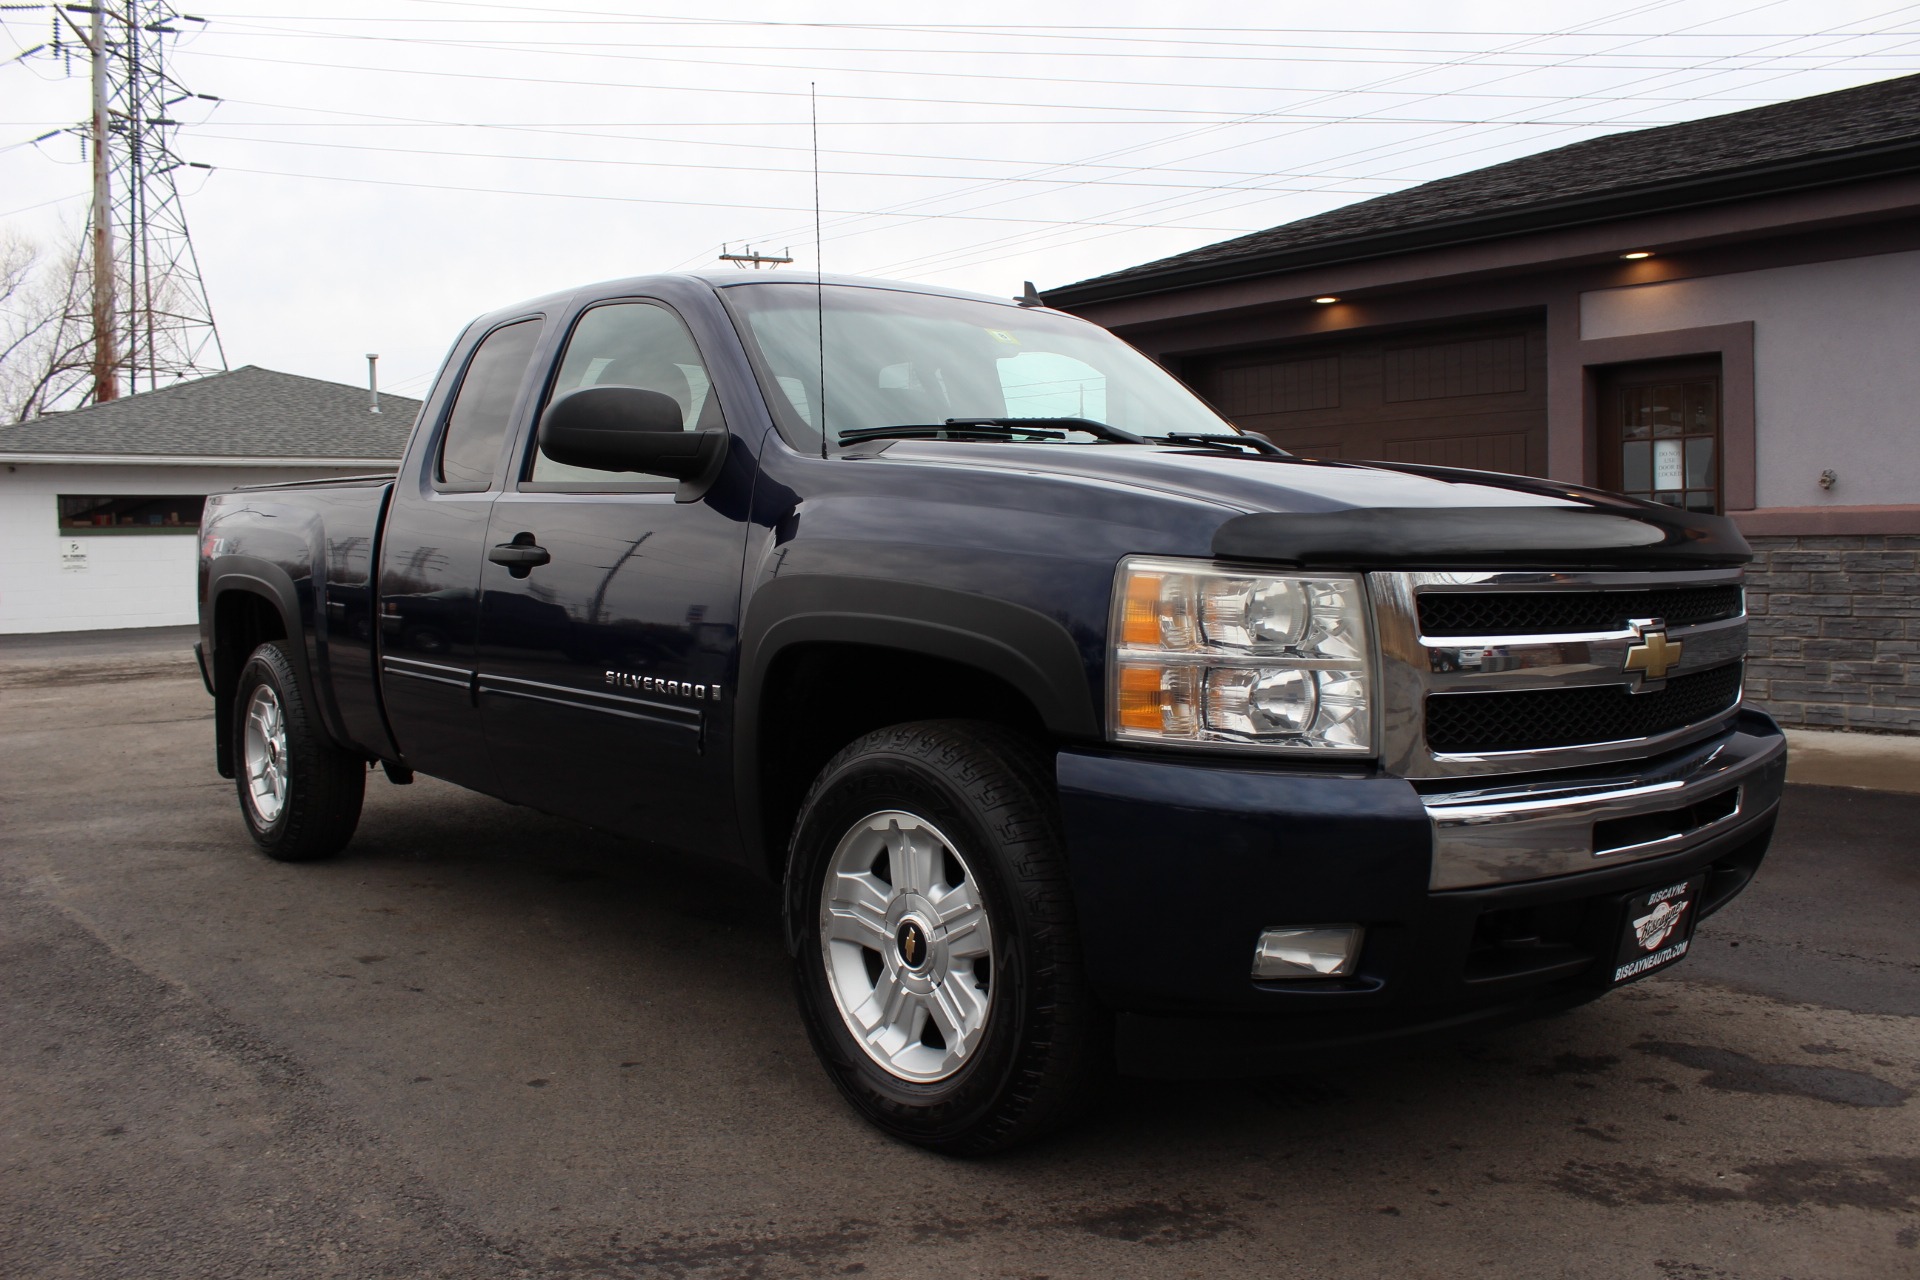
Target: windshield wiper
{"x": 956, "y": 430}
{"x": 1054, "y": 429}
{"x": 1090, "y": 426}
{"x": 1259, "y": 444}
{"x": 992, "y": 429}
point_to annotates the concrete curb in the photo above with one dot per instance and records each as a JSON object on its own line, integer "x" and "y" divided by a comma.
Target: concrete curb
{"x": 1873, "y": 761}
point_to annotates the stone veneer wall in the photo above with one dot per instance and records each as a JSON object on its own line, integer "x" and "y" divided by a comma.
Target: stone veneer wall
{"x": 1836, "y": 631}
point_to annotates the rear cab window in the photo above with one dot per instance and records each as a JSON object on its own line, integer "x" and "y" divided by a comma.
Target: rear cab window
{"x": 482, "y": 411}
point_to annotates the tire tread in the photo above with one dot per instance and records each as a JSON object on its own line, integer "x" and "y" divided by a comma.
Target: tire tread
{"x": 326, "y": 783}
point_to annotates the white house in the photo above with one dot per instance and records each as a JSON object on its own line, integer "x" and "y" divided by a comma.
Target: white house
{"x": 100, "y": 507}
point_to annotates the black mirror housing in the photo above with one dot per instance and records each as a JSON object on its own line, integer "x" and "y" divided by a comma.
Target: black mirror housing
{"x": 628, "y": 429}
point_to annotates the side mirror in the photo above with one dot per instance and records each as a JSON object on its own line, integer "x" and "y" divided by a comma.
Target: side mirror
{"x": 629, "y": 429}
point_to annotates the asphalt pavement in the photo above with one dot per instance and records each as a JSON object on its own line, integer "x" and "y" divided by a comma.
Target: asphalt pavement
{"x": 486, "y": 1043}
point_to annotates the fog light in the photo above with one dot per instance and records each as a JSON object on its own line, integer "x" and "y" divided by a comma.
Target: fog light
{"x": 1326, "y": 951}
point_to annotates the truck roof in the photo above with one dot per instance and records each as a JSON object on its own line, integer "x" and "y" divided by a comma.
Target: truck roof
{"x": 723, "y": 278}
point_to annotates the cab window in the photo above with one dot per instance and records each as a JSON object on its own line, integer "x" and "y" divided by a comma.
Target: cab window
{"x": 477, "y": 424}
{"x": 629, "y": 344}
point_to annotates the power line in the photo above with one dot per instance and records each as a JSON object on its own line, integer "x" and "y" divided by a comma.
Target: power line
{"x": 684, "y": 204}
{"x": 370, "y": 122}
{"x": 600, "y": 51}
{"x": 837, "y": 97}
{"x": 1248, "y": 186}
{"x": 68, "y": 198}
{"x": 1070, "y": 31}
{"x": 1169, "y": 202}
{"x": 442, "y": 153}
{"x": 1263, "y": 118}
{"x": 263, "y": 31}
{"x": 962, "y": 257}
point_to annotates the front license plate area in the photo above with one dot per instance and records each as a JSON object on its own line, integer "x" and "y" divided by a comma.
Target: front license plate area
{"x": 1656, "y": 929}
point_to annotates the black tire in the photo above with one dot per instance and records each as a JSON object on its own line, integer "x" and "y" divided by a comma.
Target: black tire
{"x": 1044, "y": 1045}
{"x": 324, "y": 784}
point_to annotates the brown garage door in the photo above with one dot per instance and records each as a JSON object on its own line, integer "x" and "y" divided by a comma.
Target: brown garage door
{"x": 1458, "y": 397}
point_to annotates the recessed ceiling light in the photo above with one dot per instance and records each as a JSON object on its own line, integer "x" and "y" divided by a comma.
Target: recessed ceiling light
{"x": 1323, "y": 301}
{"x": 1637, "y": 254}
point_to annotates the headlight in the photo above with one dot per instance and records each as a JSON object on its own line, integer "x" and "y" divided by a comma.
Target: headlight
{"x": 1205, "y": 653}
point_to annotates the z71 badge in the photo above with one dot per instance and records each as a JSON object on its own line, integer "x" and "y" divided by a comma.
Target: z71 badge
{"x": 673, "y": 688}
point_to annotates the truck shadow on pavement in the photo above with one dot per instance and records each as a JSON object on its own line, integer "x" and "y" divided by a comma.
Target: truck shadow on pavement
{"x": 1598, "y": 1081}
{"x": 569, "y": 1056}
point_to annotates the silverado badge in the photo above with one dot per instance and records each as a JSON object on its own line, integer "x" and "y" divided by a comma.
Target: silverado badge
{"x": 655, "y": 684}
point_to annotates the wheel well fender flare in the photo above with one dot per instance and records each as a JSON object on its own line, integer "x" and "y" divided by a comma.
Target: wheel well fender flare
{"x": 262, "y": 579}
{"x": 1027, "y": 650}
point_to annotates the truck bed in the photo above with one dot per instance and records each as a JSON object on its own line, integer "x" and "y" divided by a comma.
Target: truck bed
{"x": 314, "y": 546}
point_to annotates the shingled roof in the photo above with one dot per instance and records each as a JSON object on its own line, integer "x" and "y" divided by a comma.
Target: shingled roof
{"x": 1852, "y": 133}
{"x": 250, "y": 413}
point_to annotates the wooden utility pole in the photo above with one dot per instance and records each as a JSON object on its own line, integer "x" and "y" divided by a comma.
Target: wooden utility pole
{"x": 135, "y": 302}
{"x": 106, "y": 362}
{"x": 754, "y": 258}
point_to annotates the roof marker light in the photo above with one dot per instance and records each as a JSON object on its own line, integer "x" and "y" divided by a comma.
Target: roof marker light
{"x": 1324, "y": 300}
{"x": 1637, "y": 254}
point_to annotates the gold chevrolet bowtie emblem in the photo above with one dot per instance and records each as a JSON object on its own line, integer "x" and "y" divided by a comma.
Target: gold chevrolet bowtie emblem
{"x": 1655, "y": 655}
{"x": 913, "y": 945}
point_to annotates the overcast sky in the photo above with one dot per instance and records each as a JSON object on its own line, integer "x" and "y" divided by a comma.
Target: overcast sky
{"x": 385, "y": 171}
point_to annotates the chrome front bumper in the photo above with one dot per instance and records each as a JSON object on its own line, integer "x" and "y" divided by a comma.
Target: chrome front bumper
{"x": 1544, "y": 828}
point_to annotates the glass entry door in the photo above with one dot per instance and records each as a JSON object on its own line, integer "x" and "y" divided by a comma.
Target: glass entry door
{"x": 1660, "y": 432}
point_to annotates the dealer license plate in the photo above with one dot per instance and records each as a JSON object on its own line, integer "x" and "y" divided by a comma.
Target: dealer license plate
{"x": 1657, "y": 929}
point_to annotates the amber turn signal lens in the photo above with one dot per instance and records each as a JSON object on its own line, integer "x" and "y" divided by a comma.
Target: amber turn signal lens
{"x": 1141, "y": 624}
{"x": 1141, "y": 699}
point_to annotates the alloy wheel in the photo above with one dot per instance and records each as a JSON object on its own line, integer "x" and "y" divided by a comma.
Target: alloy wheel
{"x": 265, "y": 748}
{"x": 908, "y": 946}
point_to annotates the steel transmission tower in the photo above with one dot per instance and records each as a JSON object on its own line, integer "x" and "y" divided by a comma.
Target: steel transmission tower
{"x": 137, "y": 316}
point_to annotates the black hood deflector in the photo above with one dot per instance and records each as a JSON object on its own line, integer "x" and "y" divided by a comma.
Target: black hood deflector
{"x": 1517, "y": 537}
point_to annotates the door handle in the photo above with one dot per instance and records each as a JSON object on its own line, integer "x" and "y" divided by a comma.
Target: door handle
{"x": 520, "y": 557}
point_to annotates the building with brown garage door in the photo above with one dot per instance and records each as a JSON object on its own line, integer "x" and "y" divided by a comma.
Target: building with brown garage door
{"x": 1723, "y": 315}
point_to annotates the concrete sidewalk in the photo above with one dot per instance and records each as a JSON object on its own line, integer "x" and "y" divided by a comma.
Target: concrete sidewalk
{"x": 85, "y": 657}
{"x": 1872, "y": 761}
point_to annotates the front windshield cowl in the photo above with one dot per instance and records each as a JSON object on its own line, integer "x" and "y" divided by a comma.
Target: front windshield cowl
{"x": 898, "y": 358}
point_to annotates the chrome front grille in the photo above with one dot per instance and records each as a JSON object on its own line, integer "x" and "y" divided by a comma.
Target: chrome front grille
{"x": 1531, "y": 719}
{"x": 1488, "y": 673}
{"x": 1520, "y": 613}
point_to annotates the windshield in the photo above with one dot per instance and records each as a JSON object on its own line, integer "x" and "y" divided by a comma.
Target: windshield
{"x": 895, "y": 358}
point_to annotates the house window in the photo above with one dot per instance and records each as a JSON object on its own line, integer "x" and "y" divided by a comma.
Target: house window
{"x": 1660, "y": 433}
{"x": 170, "y": 513}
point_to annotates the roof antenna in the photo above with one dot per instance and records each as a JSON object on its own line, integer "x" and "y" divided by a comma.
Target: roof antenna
{"x": 1031, "y": 298}
{"x": 373, "y": 383}
{"x": 819, "y": 282}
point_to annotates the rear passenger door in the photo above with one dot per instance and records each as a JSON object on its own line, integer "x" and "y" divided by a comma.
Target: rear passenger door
{"x": 430, "y": 559}
{"x": 605, "y": 672}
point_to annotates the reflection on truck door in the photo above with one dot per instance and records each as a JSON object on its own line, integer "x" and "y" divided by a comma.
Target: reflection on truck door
{"x": 603, "y": 672}
{"x": 430, "y": 566}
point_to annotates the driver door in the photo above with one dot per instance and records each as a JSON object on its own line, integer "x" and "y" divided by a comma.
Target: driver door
{"x": 605, "y": 672}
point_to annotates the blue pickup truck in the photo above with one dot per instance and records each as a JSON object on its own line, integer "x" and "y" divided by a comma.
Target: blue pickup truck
{"x": 1079, "y": 729}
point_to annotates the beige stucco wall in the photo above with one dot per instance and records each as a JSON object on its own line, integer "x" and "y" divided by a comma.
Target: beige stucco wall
{"x": 1836, "y": 368}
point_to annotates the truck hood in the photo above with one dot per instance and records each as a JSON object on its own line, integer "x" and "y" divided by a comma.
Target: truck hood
{"x": 1311, "y": 512}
